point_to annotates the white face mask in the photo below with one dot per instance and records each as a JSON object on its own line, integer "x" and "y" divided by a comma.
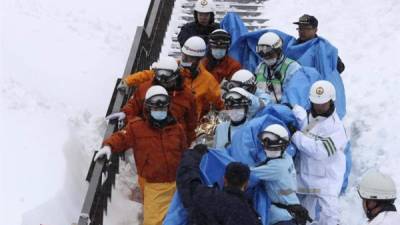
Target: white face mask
{"x": 186, "y": 64}
{"x": 218, "y": 53}
{"x": 273, "y": 154}
{"x": 158, "y": 115}
{"x": 270, "y": 62}
{"x": 236, "y": 115}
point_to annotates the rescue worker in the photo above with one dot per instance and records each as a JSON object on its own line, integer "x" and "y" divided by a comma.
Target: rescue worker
{"x": 321, "y": 162}
{"x": 158, "y": 142}
{"x": 209, "y": 205}
{"x": 217, "y": 60}
{"x": 378, "y": 193}
{"x": 165, "y": 72}
{"x": 202, "y": 84}
{"x": 204, "y": 22}
{"x": 237, "y": 108}
{"x": 247, "y": 81}
{"x": 307, "y": 28}
{"x": 279, "y": 178}
{"x": 274, "y": 72}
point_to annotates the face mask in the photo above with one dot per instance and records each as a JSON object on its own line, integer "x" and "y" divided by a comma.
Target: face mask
{"x": 218, "y": 53}
{"x": 158, "y": 115}
{"x": 273, "y": 154}
{"x": 186, "y": 64}
{"x": 270, "y": 62}
{"x": 236, "y": 114}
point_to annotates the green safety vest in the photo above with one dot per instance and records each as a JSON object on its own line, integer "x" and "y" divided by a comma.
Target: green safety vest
{"x": 282, "y": 69}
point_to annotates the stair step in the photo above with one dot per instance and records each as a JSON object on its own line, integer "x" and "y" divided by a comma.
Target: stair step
{"x": 250, "y": 11}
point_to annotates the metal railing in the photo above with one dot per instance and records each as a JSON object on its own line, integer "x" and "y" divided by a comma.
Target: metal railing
{"x": 145, "y": 49}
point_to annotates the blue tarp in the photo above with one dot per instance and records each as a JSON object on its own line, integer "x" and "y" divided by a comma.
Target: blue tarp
{"x": 233, "y": 25}
{"x": 297, "y": 89}
{"x": 317, "y": 53}
{"x": 247, "y": 150}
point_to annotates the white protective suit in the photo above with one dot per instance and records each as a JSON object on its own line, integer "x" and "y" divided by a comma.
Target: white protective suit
{"x": 320, "y": 164}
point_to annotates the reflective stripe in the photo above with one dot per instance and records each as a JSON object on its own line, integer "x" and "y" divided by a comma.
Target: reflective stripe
{"x": 329, "y": 146}
{"x": 309, "y": 191}
{"x": 284, "y": 67}
{"x": 286, "y": 192}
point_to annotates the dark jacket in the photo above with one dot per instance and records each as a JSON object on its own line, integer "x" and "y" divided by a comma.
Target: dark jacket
{"x": 211, "y": 206}
{"x": 194, "y": 29}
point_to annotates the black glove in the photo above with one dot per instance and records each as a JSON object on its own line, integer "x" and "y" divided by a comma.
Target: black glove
{"x": 288, "y": 105}
{"x": 292, "y": 128}
{"x": 201, "y": 148}
{"x": 300, "y": 214}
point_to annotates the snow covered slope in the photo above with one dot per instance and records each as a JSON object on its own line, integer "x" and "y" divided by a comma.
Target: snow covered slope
{"x": 59, "y": 61}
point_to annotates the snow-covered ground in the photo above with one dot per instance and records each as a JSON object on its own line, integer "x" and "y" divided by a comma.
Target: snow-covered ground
{"x": 59, "y": 61}
{"x": 58, "y": 64}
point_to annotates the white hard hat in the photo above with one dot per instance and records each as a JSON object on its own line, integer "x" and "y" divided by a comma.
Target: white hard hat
{"x": 165, "y": 63}
{"x": 322, "y": 91}
{"x": 204, "y": 6}
{"x": 194, "y": 46}
{"x": 278, "y": 130}
{"x": 244, "y": 76}
{"x": 376, "y": 185}
{"x": 270, "y": 39}
{"x": 155, "y": 90}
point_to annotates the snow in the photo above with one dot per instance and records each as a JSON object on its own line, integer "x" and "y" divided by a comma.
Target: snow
{"x": 59, "y": 61}
{"x": 58, "y": 64}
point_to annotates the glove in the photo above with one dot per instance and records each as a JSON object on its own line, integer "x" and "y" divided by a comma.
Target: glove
{"x": 120, "y": 116}
{"x": 291, "y": 128}
{"x": 300, "y": 214}
{"x": 106, "y": 150}
{"x": 201, "y": 148}
{"x": 288, "y": 105}
{"x": 122, "y": 87}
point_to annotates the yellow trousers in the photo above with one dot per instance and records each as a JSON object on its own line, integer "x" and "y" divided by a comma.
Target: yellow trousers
{"x": 157, "y": 197}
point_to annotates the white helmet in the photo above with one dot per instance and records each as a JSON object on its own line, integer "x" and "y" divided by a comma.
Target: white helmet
{"x": 244, "y": 76}
{"x": 155, "y": 90}
{"x": 165, "y": 63}
{"x": 322, "y": 91}
{"x": 278, "y": 130}
{"x": 194, "y": 46}
{"x": 270, "y": 39}
{"x": 376, "y": 185}
{"x": 204, "y": 6}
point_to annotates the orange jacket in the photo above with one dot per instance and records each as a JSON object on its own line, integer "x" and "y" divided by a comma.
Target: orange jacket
{"x": 224, "y": 69}
{"x": 157, "y": 151}
{"x": 182, "y": 107}
{"x": 137, "y": 78}
{"x": 205, "y": 89}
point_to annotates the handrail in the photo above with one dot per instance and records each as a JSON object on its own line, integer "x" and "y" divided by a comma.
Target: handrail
{"x": 145, "y": 49}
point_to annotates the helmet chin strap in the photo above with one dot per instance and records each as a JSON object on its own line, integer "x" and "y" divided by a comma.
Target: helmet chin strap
{"x": 372, "y": 212}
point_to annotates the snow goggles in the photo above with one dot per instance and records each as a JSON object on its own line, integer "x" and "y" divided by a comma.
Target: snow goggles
{"x": 271, "y": 140}
{"x": 264, "y": 50}
{"x": 232, "y": 84}
{"x": 158, "y": 102}
{"x": 235, "y": 100}
{"x": 219, "y": 44}
{"x": 165, "y": 75}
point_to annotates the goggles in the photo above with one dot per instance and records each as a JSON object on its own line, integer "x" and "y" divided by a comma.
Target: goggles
{"x": 235, "y": 100}
{"x": 272, "y": 141}
{"x": 158, "y": 102}
{"x": 264, "y": 50}
{"x": 232, "y": 84}
{"x": 165, "y": 75}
